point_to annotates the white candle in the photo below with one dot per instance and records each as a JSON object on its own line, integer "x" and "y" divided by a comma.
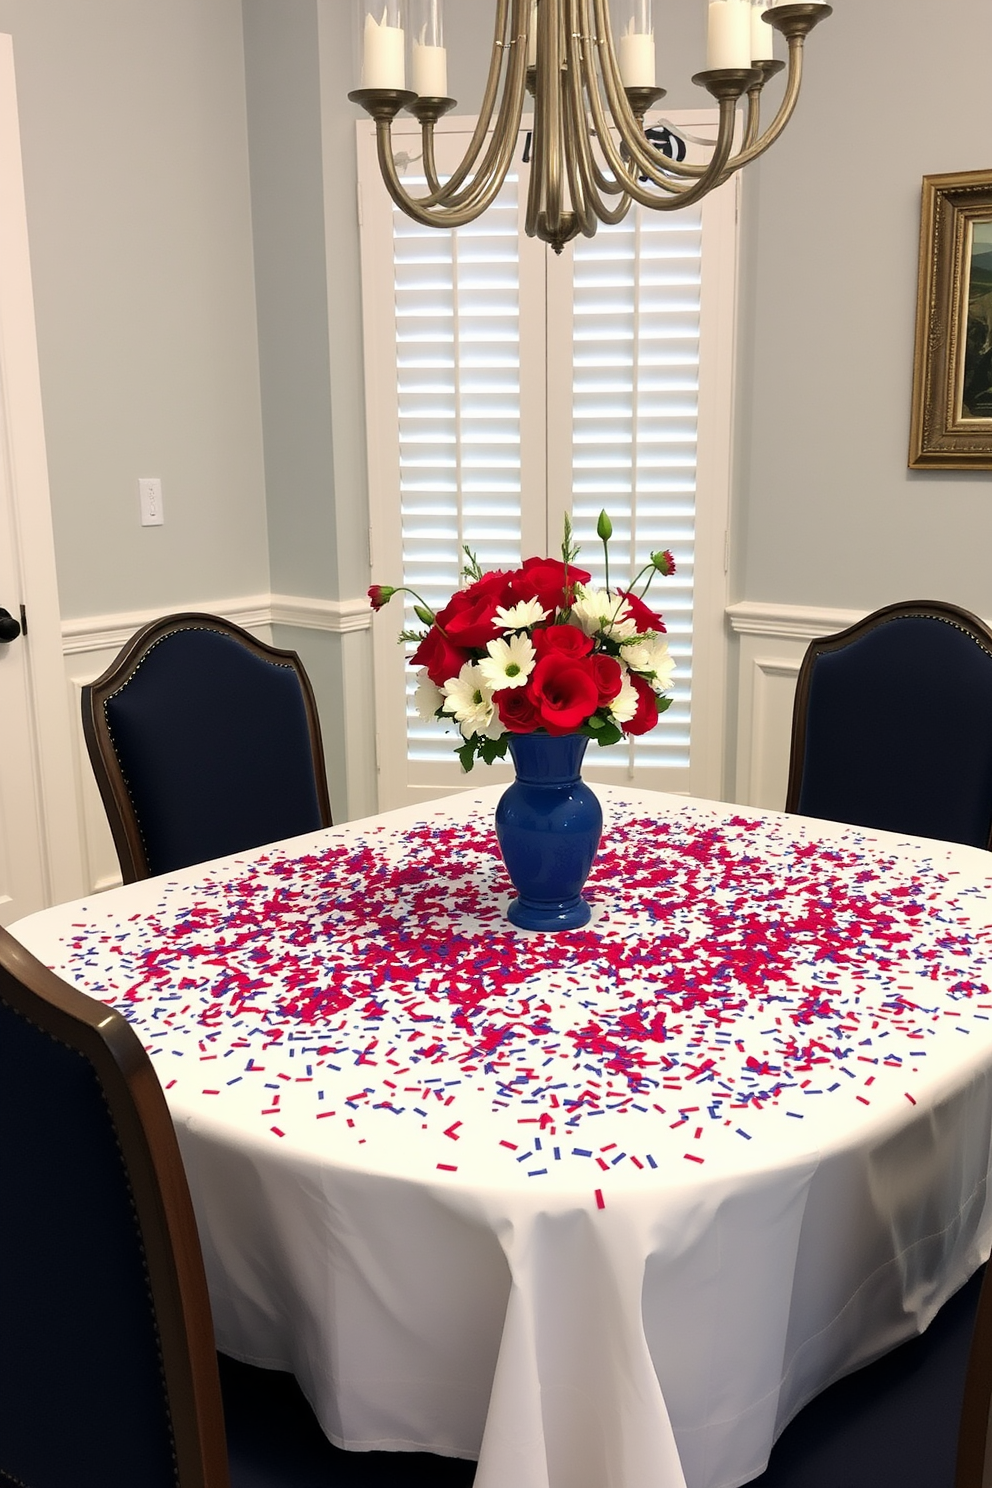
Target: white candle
{"x": 762, "y": 35}
{"x": 637, "y": 61}
{"x": 383, "y": 64}
{"x": 728, "y": 38}
{"x": 430, "y": 70}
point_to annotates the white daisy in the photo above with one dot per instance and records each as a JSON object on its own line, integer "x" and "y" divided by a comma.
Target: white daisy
{"x": 624, "y": 705}
{"x": 427, "y": 698}
{"x": 470, "y": 698}
{"x": 509, "y": 663}
{"x": 519, "y": 616}
{"x": 650, "y": 656}
{"x": 595, "y": 610}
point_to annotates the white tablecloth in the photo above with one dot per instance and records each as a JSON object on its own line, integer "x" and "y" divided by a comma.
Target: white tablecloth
{"x": 603, "y": 1208}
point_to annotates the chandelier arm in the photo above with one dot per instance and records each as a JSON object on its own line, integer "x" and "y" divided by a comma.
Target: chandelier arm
{"x": 626, "y": 170}
{"x": 548, "y": 117}
{"x": 580, "y": 183}
{"x": 752, "y": 148}
{"x": 593, "y": 182}
{"x": 583, "y": 81}
{"x": 503, "y": 140}
{"x": 444, "y": 209}
{"x": 447, "y": 195}
{"x": 430, "y": 164}
{"x": 785, "y": 110}
{"x": 430, "y": 215}
{"x": 623, "y": 115}
{"x": 642, "y": 160}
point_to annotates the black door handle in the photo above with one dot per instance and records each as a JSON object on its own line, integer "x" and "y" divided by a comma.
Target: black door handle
{"x": 9, "y": 628}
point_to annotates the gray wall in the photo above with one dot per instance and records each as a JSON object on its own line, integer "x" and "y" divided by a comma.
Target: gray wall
{"x": 190, "y": 173}
{"x": 136, "y": 174}
{"x": 828, "y": 512}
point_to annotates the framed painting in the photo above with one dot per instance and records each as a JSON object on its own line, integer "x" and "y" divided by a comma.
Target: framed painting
{"x": 952, "y": 373}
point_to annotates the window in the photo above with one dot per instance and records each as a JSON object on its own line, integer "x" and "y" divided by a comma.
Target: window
{"x": 506, "y": 386}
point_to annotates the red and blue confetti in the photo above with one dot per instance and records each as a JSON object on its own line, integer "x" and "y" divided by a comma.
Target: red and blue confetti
{"x": 736, "y": 966}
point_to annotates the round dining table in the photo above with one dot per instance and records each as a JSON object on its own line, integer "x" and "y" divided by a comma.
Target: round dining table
{"x": 601, "y": 1208}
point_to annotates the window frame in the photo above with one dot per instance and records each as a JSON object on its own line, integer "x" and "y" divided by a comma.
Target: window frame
{"x": 546, "y": 405}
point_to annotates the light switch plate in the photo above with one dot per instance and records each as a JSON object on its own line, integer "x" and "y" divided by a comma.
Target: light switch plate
{"x": 150, "y": 497}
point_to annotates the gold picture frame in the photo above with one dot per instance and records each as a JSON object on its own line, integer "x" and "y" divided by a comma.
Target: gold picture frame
{"x": 952, "y": 368}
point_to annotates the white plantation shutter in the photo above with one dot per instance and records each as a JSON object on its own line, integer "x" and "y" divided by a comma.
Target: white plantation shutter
{"x": 458, "y": 380}
{"x": 504, "y": 386}
{"x": 635, "y": 387}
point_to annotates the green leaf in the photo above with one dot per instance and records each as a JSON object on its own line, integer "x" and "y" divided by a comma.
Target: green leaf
{"x": 610, "y": 735}
{"x": 494, "y": 749}
{"x": 596, "y": 722}
{"x": 664, "y": 704}
{"x": 467, "y": 755}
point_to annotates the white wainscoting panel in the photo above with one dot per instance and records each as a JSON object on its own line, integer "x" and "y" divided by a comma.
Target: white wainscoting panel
{"x": 772, "y": 643}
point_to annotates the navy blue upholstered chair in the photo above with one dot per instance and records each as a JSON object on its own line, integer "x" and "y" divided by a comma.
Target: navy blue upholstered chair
{"x": 892, "y": 727}
{"x": 916, "y": 1418}
{"x": 108, "y": 1374}
{"x": 204, "y": 741}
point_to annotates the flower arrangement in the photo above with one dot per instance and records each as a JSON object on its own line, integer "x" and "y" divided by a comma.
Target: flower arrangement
{"x": 536, "y": 649}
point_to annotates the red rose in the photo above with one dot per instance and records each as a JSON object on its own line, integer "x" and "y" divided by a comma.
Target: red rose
{"x": 543, "y": 579}
{"x": 646, "y": 716}
{"x": 516, "y": 710}
{"x": 644, "y": 618}
{"x": 564, "y": 640}
{"x": 439, "y": 656}
{"x": 564, "y": 691}
{"x": 467, "y": 618}
{"x": 607, "y": 676}
{"x": 489, "y": 584}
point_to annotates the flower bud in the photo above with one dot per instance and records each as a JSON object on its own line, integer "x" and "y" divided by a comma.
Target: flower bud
{"x": 664, "y": 562}
{"x": 380, "y": 594}
{"x": 604, "y": 527}
{"x": 424, "y": 614}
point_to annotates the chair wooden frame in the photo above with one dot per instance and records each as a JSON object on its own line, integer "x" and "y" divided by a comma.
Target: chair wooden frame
{"x": 935, "y": 609}
{"x": 110, "y": 779}
{"x": 162, "y": 1205}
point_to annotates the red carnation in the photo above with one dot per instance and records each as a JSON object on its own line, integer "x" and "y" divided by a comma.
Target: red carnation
{"x": 564, "y": 640}
{"x": 646, "y": 716}
{"x": 564, "y": 691}
{"x": 643, "y": 617}
{"x": 516, "y": 710}
{"x": 543, "y": 579}
{"x": 380, "y": 594}
{"x": 608, "y": 677}
{"x": 439, "y": 656}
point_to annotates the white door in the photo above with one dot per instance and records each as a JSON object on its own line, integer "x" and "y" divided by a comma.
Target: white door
{"x": 39, "y": 835}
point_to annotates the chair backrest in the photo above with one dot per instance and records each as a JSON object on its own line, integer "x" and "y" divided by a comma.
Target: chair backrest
{"x": 204, "y": 741}
{"x": 892, "y": 726}
{"x": 108, "y": 1375}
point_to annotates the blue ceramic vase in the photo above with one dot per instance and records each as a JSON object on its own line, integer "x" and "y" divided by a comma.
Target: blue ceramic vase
{"x": 548, "y": 823}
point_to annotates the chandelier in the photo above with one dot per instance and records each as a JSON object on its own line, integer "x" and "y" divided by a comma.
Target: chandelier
{"x": 590, "y": 157}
